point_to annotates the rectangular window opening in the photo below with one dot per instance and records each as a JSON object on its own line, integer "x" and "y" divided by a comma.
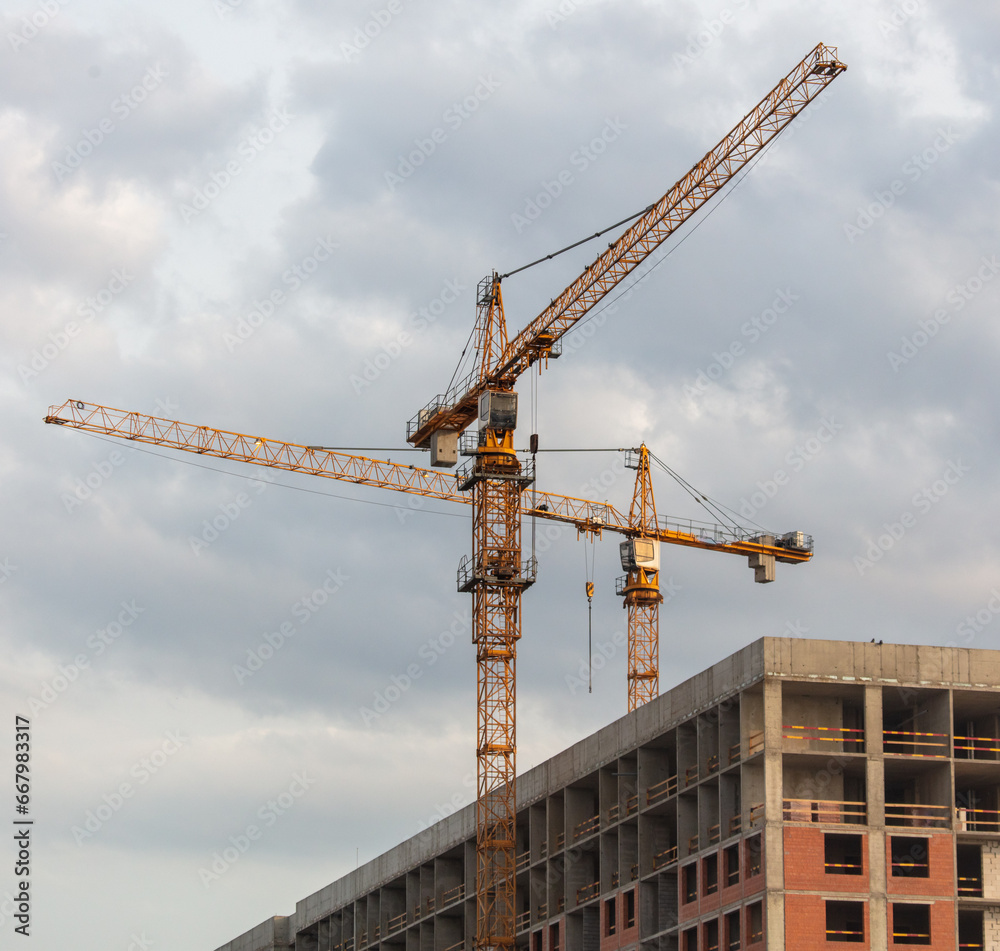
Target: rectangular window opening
{"x": 753, "y": 858}
{"x": 911, "y": 924}
{"x": 630, "y": 909}
{"x": 845, "y": 921}
{"x": 970, "y": 929}
{"x": 755, "y": 922}
{"x": 732, "y": 865}
{"x": 733, "y": 931}
{"x": 842, "y": 854}
{"x": 710, "y": 935}
{"x": 909, "y": 856}
{"x": 970, "y": 871}
{"x": 710, "y": 874}
{"x": 689, "y": 878}
{"x": 609, "y": 916}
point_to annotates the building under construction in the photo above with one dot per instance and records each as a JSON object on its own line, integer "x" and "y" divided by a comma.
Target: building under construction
{"x": 797, "y": 795}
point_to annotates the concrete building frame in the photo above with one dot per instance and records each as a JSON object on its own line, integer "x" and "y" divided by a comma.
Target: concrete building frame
{"x": 800, "y": 794}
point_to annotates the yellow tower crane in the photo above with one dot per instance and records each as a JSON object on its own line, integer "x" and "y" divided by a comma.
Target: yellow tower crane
{"x": 640, "y": 557}
{"x": 496, "y": 477}
{"x": 494, "y": 481}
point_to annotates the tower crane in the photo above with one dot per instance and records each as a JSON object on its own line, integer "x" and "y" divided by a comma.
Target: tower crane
{"x": 640, "y": 560}
{"x": 496, "y": 477}
{"x": 493, "y": 482}
{"x": 640, "y": 557}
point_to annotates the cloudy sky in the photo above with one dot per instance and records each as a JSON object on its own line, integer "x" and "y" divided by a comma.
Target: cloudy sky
{"x": 229, "y": 212}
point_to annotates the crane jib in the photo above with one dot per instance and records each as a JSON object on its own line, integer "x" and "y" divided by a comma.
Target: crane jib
{"x": 456, "y": 409}
{"x": 585, "y": 515}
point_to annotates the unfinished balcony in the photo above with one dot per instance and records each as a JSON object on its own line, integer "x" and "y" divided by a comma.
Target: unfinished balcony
{"x": 823, "y": 718}
{"x": 918, "y": 795}
{"x": 916, "y": 723}
{"x": 811, "y": 793}
{"x": 976, "y": 726}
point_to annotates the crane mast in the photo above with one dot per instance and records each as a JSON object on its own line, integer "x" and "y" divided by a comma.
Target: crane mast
{"x": 494, "y": 482}
{"x": 496, "y": 580}
{"x": 640, "y": 556}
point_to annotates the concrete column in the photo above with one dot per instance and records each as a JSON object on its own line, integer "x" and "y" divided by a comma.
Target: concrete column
{"x": 774, "y": 844}
{"x": 878, "y": 914}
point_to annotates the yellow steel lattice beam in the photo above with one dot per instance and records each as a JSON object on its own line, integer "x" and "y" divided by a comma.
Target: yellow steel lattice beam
{"x": 584, "y": 514}
{"x": 457, "y": 409}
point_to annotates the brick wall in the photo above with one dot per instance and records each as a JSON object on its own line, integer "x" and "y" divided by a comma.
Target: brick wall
{"x": 805, "y": 851}
{"x": 805, "y": 926}
{"x": 726, "y": 895}
{"x": 940, "y": 857}
{"x": 942, "y": 928}
{"x": 625, "y": 937}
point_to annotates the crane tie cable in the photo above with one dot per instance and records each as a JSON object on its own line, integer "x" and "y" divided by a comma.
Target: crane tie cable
{"x": 576, "y": 244}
